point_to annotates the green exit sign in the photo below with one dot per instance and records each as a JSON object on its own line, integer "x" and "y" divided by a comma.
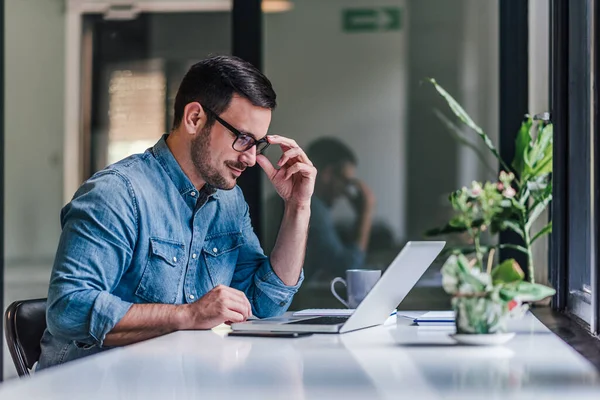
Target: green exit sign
{"x": 371, "y": 19}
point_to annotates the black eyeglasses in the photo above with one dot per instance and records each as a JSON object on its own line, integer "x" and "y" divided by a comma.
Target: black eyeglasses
{"x": 243, "y": 141}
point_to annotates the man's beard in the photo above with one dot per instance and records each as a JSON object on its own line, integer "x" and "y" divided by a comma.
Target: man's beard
{"x": 200, "y": 154}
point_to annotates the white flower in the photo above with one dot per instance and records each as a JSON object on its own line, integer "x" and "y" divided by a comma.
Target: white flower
{"x": 509, "y": 192}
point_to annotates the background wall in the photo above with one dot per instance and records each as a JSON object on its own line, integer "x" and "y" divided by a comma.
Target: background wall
{"x": 34, "y": 123}
{"x": 455, "y": 42}
{"x": 348, "y": 85}
{"x": 366, "y": 88}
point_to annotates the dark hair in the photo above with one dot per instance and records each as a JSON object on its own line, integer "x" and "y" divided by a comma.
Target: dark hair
{"x": 213, "y": 82}
{"x": 328, "y": 151}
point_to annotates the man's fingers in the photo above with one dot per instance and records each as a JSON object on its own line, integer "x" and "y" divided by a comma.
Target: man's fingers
{"x": 242, "y": 304}
{"x": 266, "y": 165}
{"x": 305, "y": 169}
{"x": 276, "y": 139}
{"x": 233, "y": 316}
{"x": 292, "y": 153}
{"x": 233, "y": 300}
{"x": 236, "y": 300}
{"x": 289, "y": 144}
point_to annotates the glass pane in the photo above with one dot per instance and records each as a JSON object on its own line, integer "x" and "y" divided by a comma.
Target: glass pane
{"x": 581, "y": 240}
{"x": 356, "y": 73}
{"x": 137, "y": 67}
{"x": 130, "y": 72}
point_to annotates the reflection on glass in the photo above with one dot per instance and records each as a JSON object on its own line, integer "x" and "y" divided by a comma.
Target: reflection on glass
{"x": 351, "y": 73}
{"x": 136, "y": 111}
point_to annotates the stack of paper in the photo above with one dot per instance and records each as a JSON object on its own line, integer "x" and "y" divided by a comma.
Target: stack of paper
{"x": 435, "y": 317}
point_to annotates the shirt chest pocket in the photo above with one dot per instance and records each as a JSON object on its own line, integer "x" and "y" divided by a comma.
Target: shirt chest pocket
{"x": 163, "y": 271}
{"x": 220, "y": 254}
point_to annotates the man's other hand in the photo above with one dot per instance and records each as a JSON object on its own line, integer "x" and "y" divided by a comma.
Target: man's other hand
{"x": 221, "y": 305}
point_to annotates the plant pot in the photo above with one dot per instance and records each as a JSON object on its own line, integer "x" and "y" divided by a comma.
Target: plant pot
{"x": 477, "y": 315}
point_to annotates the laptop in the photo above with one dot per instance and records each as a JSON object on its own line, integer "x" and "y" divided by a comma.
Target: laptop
{"x": 389, "y": 291}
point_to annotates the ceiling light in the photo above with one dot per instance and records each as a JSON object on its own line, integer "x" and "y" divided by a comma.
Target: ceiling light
{"x": 275, "y": 6}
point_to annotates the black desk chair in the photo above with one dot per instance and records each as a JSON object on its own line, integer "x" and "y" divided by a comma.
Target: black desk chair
{"x": 25, "y": 322}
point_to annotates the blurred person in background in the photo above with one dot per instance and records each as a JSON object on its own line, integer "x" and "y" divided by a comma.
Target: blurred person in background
{"x": 327, "y": 254}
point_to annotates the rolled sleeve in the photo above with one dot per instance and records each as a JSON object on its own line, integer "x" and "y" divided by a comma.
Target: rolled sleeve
{"x": 96, "y": 245}
{"x": 267, "y": 281}
{"x": 107, "y": 311}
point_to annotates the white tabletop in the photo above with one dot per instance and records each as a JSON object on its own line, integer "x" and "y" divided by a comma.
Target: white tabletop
{"x": 390, "y": 361}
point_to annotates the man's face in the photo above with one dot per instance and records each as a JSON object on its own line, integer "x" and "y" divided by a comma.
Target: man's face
{"x": 212, "y": 151}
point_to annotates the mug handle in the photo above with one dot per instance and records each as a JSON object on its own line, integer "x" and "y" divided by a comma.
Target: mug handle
{"x": 337, "y": 296}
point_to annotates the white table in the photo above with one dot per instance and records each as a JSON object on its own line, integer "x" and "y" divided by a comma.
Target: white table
{"x": 391, "y": 361}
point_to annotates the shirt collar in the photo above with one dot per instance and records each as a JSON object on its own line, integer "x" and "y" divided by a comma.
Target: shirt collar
{"x": 183, "y": 184}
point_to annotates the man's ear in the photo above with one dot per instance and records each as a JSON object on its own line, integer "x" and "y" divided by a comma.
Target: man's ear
{"x": 194, "y": 118}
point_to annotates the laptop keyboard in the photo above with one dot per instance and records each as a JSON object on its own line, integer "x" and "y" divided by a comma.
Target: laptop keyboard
{"x": 321, "y": 321}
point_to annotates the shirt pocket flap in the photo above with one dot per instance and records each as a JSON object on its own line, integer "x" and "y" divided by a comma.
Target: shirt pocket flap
{"x": 220, "y": 244}
{"x": 171, "y": 252}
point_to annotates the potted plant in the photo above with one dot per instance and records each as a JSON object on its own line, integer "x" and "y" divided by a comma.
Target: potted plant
{"x": 484, "y": 296}
{"x": 526, "y": 186}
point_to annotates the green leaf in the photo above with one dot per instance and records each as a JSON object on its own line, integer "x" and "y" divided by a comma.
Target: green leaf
{"x": 464, "y": 117}
{"x": 513, "y": 246}
{"x": 543, "y": 189}
{"x": 507, "y": 272}
{"x": 543, "y": 167}
{"x": 541, "y": 145}
{"x": 521, "y": 147}
{"x": 541, "y": 155}
{"x": 525, "y": 291}
{"x": 466, "y": 276}
{"x": 545, "y": 230}
{"x": 457, "y": 222}
{"x": 513, "y": 226}
{"x": 537, "y": 210}
{"x": 458, "y": 135}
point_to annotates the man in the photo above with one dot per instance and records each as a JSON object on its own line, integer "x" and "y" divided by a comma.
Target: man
{"x": 327, "y": 254}
{"x": 162, "y": 241}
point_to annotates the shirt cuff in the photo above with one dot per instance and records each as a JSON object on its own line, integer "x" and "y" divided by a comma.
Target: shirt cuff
{"x": 107, "y": 311}
{"x": 267, "y": 281}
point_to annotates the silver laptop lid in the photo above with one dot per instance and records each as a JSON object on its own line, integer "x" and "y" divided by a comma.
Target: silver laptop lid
{"x": 393, "y": 286}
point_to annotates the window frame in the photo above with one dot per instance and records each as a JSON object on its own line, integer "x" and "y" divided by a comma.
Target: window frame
{"x": 574, "y": 113}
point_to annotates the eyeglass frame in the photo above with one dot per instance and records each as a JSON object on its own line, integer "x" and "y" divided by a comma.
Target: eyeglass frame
{"x": 239, "y": 134}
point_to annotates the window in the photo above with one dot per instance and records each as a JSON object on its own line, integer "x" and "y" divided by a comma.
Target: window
{"x": 574, "y": 262}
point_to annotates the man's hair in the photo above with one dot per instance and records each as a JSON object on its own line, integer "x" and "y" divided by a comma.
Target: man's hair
{"x": 213, "y": 82}
{"x": 328, "y": 151}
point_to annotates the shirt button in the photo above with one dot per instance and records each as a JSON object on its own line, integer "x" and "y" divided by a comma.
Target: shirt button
{"x": 215, "y": 250}
{"x": 192, "y": 297}
{"x": 194, "y": 255}
{"x": 193, "y": 194}
{"x": 174, "y": 259}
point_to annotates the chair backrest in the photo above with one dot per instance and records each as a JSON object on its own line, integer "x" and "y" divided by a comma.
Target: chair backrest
{"x": 25, "y": 322}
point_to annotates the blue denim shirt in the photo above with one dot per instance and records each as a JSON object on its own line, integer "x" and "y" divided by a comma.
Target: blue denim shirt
{"x": 140, "y": 232}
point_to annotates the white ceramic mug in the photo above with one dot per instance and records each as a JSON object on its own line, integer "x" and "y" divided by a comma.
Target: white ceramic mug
{"x": 358, "y": 283}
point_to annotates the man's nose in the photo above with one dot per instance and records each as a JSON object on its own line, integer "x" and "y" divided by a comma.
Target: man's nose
{"x": 248, "y": 157}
